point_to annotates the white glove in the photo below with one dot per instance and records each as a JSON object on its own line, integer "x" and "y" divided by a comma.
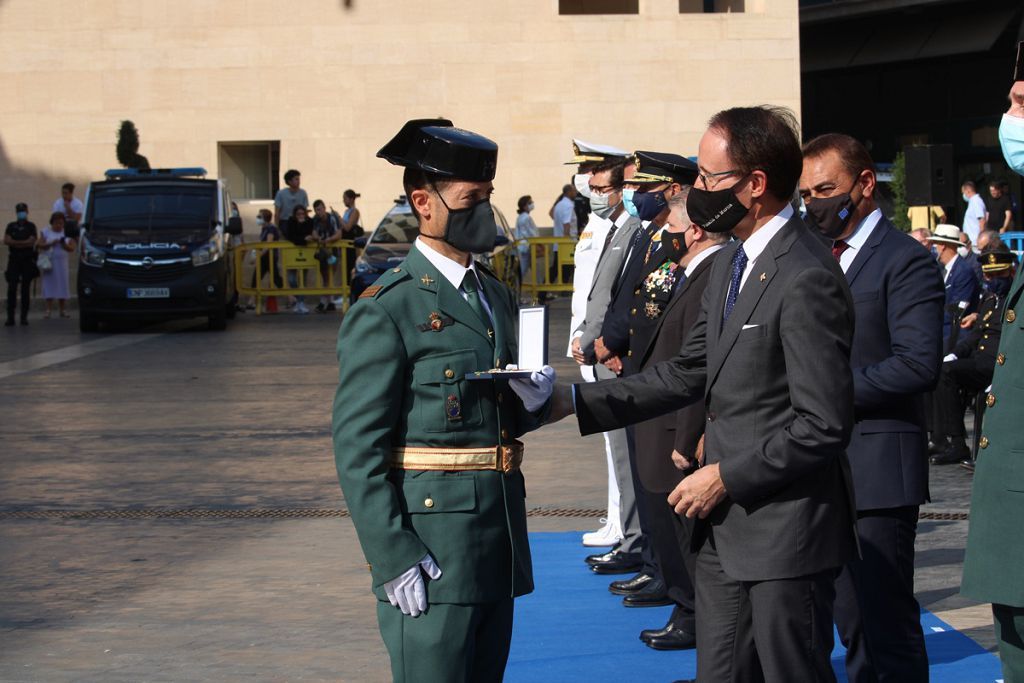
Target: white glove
{"x": 950, "y": 357}
{"x": 535, "y": 391}
{"x": 407, "y": 592}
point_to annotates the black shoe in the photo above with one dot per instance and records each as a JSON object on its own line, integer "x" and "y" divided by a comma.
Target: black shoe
{"x": 331, "y": 307}
{"x": 9, "y": 323}
{"x": 671, "y": 637}
{"x": 955, "y": 453}
{"x": 24, "y": 321}
{"x": 968, "y": 465}
{"x": 320, "y": 308}
{"x": 617, "y": 562}
{"x": 600, "y": 557}
{"x": 940, "y": 444}
{"x": 630, "y": 586}
{"x": 653, "y": 595}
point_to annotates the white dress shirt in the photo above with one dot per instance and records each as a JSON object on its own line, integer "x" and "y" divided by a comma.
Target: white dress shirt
{"x": 856, "y": 241}
{"x": 701, "y": 257}
{"x": 757, "y": 242}
{"x": 949, "y": 267}
{"x": 454, "y": 272}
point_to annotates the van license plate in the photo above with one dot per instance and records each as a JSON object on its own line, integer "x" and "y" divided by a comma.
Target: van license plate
{"x": 149, "y": 292}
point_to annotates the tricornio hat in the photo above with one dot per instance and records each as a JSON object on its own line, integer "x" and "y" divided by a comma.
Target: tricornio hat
{"x": 996, "y": 261}
{"x": 587, "y": 152}
{"x": 663, "y": 167}
{"x": 946, "y": 234}
{"x": 436, "y": 146}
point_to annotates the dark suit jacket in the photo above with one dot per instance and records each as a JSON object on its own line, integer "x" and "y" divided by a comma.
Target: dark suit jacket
{"x": 897, "y": 351}
{"x": 961, "y": 285}
{"x": 656, "y": 438}
{"x": 615, "y": 328}
{"x": 779, "y": 395}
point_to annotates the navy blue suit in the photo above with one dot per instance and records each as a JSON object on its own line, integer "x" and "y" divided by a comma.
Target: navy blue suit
{"x": 615, "y": 329}
{"x": 896, "y": 356}
{"x": 961, "y": 285}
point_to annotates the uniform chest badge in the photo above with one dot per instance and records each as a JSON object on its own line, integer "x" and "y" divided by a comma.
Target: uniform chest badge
{"x": 427, "y": 280}
{"x": 988, "y": 315}
{"x": 435, "y": 323}
{"x": 453, "y": 408}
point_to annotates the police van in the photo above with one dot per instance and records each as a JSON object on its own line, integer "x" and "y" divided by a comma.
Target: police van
{"x": 154, "y": 246}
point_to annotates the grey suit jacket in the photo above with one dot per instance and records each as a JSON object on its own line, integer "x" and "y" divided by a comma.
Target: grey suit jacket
{"x": 778, "y": 391}
{"x": 608, "y": 266}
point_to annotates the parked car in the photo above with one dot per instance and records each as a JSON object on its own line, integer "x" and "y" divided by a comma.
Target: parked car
{"x": 389, "y": 243}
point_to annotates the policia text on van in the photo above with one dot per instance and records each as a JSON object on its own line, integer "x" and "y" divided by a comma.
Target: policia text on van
{"x": 154, "y": 246}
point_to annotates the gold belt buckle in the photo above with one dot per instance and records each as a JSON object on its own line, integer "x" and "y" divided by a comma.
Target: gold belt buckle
{"x": 510, "y": 457}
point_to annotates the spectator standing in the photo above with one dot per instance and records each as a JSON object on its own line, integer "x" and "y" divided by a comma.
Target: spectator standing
{"x": 974, "y": 215}
{"x": 289, "y": 197}
{"x": 999, "y": 211}
{"x": 268, "y": 263}
{"x": 300, "y": 233}
{"x": 525, "y": 229}
{"x": 327, "y": 230}
{"x": 20, "y": 237}
{"x": 56, "y": 245}
{"x": 564, "y": 216}
{"x": 961, "y": 284}
{"x": 69, "y": 205}
{"x": 926, "y": 217}
{"x": 351, "y": 228}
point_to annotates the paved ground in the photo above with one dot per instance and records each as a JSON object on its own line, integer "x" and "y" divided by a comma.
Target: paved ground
{"x": 167, "y": 498}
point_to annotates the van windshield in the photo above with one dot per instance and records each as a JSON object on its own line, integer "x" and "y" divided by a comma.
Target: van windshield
{"x": 125, "y": 214}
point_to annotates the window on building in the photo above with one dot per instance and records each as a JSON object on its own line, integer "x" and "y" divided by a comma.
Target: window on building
{"x": 250, "y": 169}
{"x": 598, "y": 6}
{"x": 710, "y": 6}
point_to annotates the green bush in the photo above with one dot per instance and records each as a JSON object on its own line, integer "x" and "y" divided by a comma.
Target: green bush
{"x": 899, "y": 193}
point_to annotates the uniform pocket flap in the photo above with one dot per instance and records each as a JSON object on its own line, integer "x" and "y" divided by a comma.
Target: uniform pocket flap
{"x": 446, "y": 368}
{"x": 447, "y": 494}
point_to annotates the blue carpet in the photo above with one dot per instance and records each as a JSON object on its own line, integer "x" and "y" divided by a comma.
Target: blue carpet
{"x": 572, "y": 629}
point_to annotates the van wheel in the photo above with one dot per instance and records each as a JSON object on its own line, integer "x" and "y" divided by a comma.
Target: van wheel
{"x": 88, "y": 322}
{"x": 218, "y": 321}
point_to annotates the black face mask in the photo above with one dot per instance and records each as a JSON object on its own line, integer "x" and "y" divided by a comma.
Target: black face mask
{"x": 673, "y": 245}
{"x": 471, "y": 229}
{"x": 999, "y": 286}
{"x": 649, "y": 204}
{"x": 831, "y": 215}
{"x": 716, "y": 210}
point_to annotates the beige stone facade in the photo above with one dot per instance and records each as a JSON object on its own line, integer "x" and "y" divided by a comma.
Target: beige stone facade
{"x": 332, "y": 80}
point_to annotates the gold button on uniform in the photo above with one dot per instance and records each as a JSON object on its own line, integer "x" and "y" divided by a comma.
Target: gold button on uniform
{"x": 1011, "y": 315}
{"x": 983, "y": 442}
{"x": 1001, "y": 358}
{"x": 990, "y": 400}
{"x": 504, "y": 433}
{"x": 428, "y": 503}
{"x": 633, "y": 312}
{"x": 631, "y": 332}
{"x": 449, "y": 373}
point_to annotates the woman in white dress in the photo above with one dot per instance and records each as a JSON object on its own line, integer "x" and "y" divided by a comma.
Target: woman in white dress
{"x": 56, "y": 246}
{"x": 525, "y": 228}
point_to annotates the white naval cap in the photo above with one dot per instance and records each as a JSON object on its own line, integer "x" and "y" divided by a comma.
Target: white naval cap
{"x": 584, "y": 152}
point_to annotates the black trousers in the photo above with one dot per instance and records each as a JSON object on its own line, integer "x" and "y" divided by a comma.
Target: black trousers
{"x": 265, "y": 269}
{"x": 668, "y": 536}
{"x": 948, "y": 405}
{"x": 878, "y": 618}
{"x": 775, "y": 631}
{"x": 18, "y": 278}
{"x": 650, "y": 561}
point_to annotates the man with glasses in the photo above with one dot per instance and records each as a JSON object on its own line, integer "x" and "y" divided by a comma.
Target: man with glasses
{"x": 770, "y": 357}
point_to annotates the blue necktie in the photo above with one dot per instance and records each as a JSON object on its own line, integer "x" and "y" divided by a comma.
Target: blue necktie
{"x": 739, "y": 264}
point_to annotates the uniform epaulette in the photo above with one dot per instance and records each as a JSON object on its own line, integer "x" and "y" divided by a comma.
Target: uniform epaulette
{"x": 384, "y": 283}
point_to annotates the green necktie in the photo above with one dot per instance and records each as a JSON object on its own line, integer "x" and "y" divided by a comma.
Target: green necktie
{"x": 469, "y": 286}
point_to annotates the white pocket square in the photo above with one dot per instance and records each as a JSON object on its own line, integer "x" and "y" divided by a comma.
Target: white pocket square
{"x": 750, "y": 327}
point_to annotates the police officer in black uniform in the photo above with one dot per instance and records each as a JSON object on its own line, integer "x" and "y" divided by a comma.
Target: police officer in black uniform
{"x": 969, "y": 368}
{"x": 20, "y": 237}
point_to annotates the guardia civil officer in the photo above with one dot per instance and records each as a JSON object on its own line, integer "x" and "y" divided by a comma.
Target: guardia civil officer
{"x": 428, "y": 460}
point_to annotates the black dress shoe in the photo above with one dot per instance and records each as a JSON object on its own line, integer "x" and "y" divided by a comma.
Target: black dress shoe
{"x": 9, "y": 323}
{"x": 617, "y": 562}
{"x": 600, "y": 557}
{"x": 631, "y": 585}
{"x": 654, "y": 594}
{"x": 968, "y": 465}
{"x": 669, "y": 638}
{"x": 936, "y": 447}
{"x": 955, "y": 452}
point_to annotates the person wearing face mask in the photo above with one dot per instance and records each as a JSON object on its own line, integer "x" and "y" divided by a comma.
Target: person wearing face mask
{"x": 525, "y": 229}
{"x": 769, "y": 358}
{"x": 563, "y": 215}
{"x": 897, "y": 348}
{"x": 428, "y": 460}
{"x": 20, "y": 237}
{"x": 994, "y": 561}
{"x": 960, "y": 281}
{"x": 976, "y": 212}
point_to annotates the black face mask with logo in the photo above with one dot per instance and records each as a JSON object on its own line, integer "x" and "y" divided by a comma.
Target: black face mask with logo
{"x": 716, "y": 210}
{"x": 471, "y": 229}
{"x": 831, "y": 215}
{"x": 673, "y": 245}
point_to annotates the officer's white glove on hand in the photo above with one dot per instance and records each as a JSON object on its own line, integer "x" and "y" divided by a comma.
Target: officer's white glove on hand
{"x": 535, "y": 391}
{"x": 949, "y": 357}
{"x": 407, "y": 592}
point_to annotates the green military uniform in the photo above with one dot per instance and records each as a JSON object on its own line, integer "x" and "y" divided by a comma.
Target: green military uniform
{"x": 427, "y": 459}
{"x": 994, "y": 564}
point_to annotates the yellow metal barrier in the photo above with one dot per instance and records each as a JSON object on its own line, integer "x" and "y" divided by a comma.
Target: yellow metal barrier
{"x": 537, "y": 280}
{"x": 277, "y": 265}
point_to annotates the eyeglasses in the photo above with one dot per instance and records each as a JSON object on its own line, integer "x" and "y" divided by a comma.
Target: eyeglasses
{"x": 605, "y": 189}
{"x": 705, "y": 178}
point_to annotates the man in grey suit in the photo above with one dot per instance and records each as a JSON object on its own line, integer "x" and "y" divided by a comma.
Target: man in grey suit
{"x": 606, "y": 183}
{"x": 770, "y": 356}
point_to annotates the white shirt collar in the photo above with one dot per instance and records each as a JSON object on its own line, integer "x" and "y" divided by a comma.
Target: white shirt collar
{"x": 949, "y": 266}
{"x": 863, "y": 232}
{"x": 701, "y": 257}
{"x": 621, "y": 220}
{"x": 756, "y": 243}
{"x": 452, "y": 271}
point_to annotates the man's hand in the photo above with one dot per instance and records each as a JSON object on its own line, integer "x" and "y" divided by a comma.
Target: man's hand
{"x": 968, "y": 321}
{"x": 577, "y": 352}
{"x": 1016, "y": 100}
{"x": 535, "y": 391}
{"x": 613, "y": 363}
{"x": 681, "y": 461}
{"x": 699, "y": 493}
{"x": 600, "y": 350}
{"x": 407, "y": 591}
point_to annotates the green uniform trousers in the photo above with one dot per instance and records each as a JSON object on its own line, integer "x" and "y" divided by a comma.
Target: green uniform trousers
{"x": 448, "y": 643}
{"x": 1010, "y": 634}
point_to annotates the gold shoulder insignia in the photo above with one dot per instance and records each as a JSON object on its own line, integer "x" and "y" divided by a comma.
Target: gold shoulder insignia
{"x": 369, "y": 292}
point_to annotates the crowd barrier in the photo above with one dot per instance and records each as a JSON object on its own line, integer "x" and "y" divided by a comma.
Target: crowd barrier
{"x": 1015, "y": 241}
{"x": 298, "y": 271}
{"x": 537, "y": 280}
